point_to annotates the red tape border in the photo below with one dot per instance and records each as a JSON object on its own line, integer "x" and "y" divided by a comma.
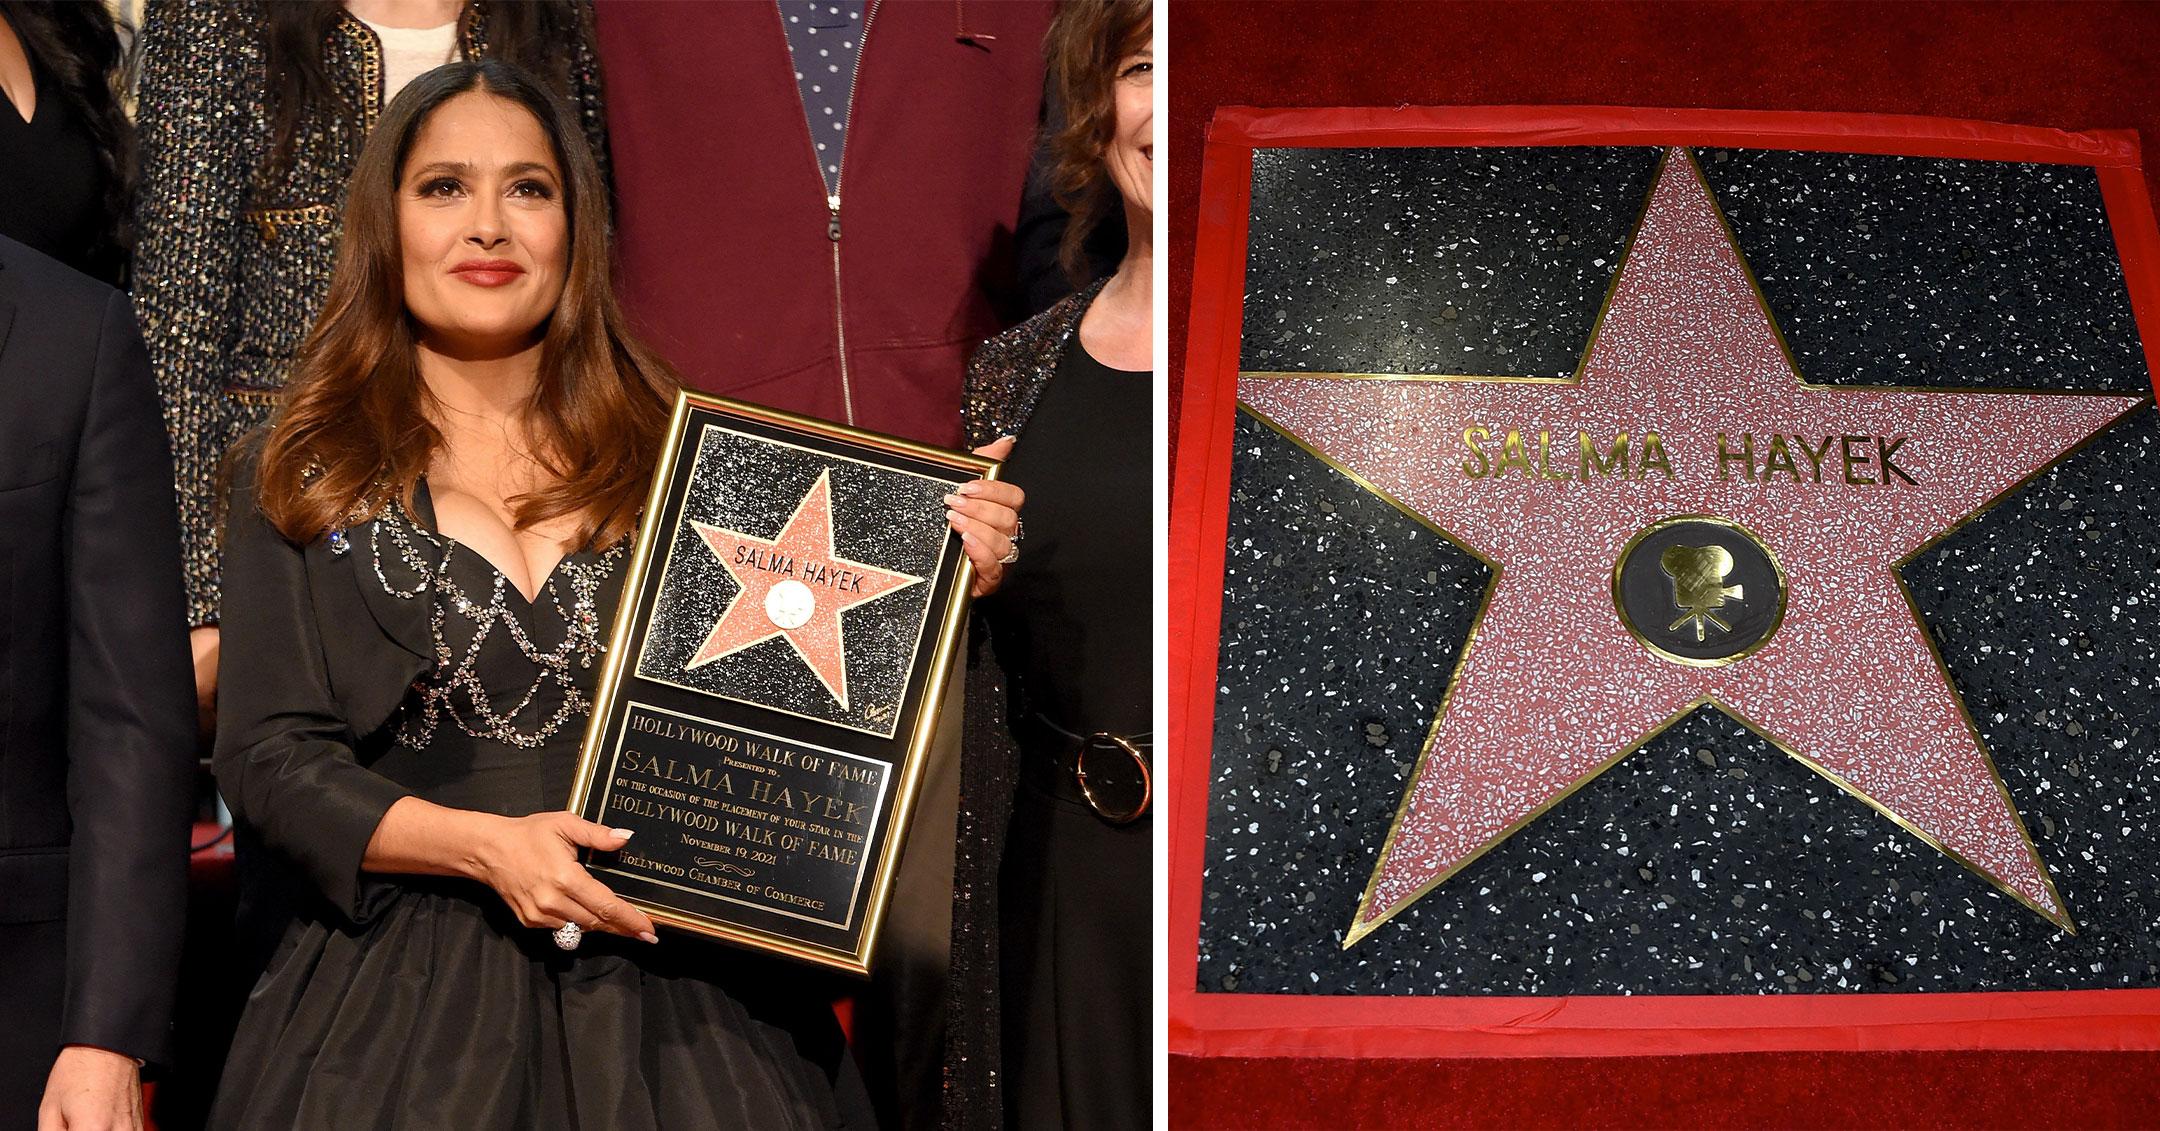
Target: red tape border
{"x": 1260, "y": 1025}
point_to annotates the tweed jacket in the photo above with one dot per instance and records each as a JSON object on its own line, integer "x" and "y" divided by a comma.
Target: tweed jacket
{"x": 1005, "y": 381}
{"x": 233, "y": 259}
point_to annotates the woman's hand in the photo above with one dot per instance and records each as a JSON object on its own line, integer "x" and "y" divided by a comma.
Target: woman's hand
{"x": 92, "y": 1089}
{"x": 986, "y": 514}
{"x": 532, "y": 863}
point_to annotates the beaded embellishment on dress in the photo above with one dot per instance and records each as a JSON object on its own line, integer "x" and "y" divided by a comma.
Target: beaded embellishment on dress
{"x": 453, "y": 689}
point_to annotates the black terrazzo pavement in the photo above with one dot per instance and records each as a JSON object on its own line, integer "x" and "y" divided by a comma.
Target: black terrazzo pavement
{"x": 1476, "y": 261}
{"x": 1706, "y": 862}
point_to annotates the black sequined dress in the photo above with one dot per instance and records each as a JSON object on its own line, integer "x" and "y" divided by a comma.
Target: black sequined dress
{"x": 439, "y": 1009}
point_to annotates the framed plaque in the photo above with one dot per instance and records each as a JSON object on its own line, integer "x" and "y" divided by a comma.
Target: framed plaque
{"x": 773, "y": 678}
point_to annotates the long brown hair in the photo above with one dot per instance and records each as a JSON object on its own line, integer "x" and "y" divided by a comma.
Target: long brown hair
{"x": 1086, "y": 40}
{"x": 526, "y": 33}
{"x": 352, "y": 430}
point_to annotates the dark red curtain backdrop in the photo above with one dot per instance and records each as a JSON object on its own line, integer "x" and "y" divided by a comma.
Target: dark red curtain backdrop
{"x": 2074, "y": 66}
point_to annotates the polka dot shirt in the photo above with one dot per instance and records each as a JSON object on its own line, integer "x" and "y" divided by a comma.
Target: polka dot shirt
{"x": 825, "y": 40}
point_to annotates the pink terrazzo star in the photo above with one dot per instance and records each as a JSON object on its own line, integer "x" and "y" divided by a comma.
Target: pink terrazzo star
{"x": 794, "y": 586}
{"x": 1553, "y": 688}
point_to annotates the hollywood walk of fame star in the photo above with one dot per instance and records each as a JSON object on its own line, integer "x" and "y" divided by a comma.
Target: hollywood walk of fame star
{"x": 1553, "y": 687}
{"x": 794, "y": 586}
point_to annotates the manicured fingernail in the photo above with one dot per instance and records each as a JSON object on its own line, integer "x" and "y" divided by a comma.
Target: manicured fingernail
{"x": 967, "y": 537}
{"x": 951, "y": 515}
{"x": 648, "y": 936}
{"x": 623, "y": 833}
{"x": 953, "y": 500}
{"x": 968, "y": 488}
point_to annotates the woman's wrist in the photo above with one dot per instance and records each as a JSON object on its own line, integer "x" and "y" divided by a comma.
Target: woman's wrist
{"x": 474, "y": 844}
{"x": 419, "y": 837}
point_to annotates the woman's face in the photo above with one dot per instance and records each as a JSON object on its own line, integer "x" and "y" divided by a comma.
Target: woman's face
{"x": 482, "y": 227}
{"x": 1130, "y": 156}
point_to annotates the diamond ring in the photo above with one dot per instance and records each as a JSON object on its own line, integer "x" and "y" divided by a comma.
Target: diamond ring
{"x": 569, "y": 935}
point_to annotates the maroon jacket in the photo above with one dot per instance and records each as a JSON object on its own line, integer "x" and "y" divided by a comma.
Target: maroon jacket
{"x": 733, "y": 263}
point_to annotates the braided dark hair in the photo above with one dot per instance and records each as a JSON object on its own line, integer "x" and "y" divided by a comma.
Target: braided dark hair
{"x": 78, "y": 45}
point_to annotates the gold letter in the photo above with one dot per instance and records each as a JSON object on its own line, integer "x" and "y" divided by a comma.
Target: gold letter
{"x": 1544, "y": 457}
{"x": 1653, "y": 455}
{"x": 1779, "y": 454}
{"x": 1845, "y": 449}
{"x": 1884, "y": 450}
{"x": 1483, "y": 464}
{"x": 1593, "y": 464}
{"x": 1815, "y": 457}
{"x": 1512, "y": 455}
{"x": 1745, "y": 457}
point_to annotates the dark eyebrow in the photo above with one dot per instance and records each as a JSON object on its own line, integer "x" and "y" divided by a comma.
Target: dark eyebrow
{"x": 454, "y": 168}
{"x": 465, "y": 169}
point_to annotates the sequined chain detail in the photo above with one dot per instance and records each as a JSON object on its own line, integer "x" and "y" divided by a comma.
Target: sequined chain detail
{"x": 453, "y": 690}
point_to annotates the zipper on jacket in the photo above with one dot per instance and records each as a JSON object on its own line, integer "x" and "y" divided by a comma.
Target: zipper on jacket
{"x": 832, "y": 199}
{"x": 839, "y": 308}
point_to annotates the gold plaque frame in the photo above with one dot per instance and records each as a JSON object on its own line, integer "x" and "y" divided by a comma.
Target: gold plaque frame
{"x": 909, "y": 744}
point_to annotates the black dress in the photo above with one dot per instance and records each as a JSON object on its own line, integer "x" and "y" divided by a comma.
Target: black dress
{"x": 439, "y": 1009}
{"x": 1072, "y": 625}
{"x": 52, "y": 186}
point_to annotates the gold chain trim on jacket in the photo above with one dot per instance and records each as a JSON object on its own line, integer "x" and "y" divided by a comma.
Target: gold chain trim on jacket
{"x": 370, "y": 69}
{"x": 269, "y": 220}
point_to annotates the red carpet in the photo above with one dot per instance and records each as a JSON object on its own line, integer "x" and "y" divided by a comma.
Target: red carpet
{"x": 2075, "y": 66}
{"x": 1906, "y": 1090}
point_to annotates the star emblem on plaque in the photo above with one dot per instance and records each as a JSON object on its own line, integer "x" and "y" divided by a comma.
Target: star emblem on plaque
{"x": 789, "y": 583}
{"x": 1686, "y": 521}
{"x": 793, "y": 586}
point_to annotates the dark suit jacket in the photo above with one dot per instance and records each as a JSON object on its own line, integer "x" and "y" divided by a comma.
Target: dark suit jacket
{"x": 97, "y": 706}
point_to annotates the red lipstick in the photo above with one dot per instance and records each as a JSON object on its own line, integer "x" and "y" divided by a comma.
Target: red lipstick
{"x": 488, "y": 272}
